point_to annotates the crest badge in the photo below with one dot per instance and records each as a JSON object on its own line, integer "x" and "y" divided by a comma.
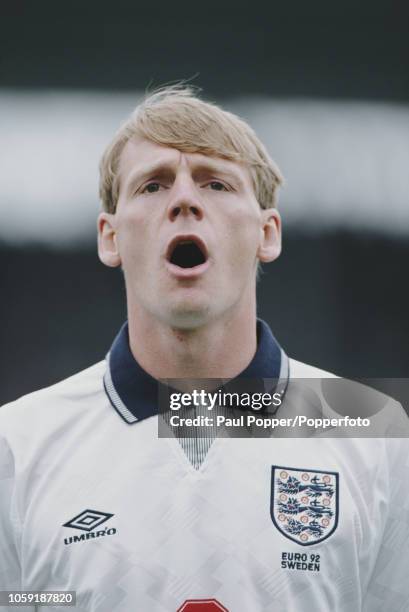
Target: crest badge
{"x": 304, "y": 503}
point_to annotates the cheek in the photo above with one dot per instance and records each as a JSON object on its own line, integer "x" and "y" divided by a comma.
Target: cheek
{"x": 243, "y": 238}
{"x": 134, "y": 238}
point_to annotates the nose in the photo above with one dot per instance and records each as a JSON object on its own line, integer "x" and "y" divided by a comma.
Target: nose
{"x": 185, "y": 200}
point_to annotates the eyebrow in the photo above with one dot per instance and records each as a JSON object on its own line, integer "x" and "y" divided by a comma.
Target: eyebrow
{"x": 166, "y": 169}
{"x": 155, "y": 170}
{"x": 217, "y": 168}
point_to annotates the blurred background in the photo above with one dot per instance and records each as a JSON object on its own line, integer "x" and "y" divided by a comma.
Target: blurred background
{"x": 325, "y": 85}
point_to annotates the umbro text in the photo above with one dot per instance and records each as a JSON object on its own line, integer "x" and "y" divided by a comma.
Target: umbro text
{"x": 89, "y": 536}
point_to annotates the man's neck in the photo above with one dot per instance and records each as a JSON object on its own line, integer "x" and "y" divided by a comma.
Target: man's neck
{"x": 220, "y": 349}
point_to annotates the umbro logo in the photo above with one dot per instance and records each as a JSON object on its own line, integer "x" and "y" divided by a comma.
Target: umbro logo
{"x": 89, "y": 520}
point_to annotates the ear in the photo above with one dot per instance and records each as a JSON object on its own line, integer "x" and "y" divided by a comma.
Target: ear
{"x": 270, "y": 242}
{"x": 107, "y": 243}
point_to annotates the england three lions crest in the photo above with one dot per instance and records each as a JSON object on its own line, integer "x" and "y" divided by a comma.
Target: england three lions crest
{"x": 304, "y": 503}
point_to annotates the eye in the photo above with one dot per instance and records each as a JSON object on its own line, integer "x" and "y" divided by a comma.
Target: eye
{"x": 151, "y": 188}
{"x": 217, "y": 186}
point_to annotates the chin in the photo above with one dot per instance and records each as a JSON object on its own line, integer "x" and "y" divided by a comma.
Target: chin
{"x": 191, "y": 317}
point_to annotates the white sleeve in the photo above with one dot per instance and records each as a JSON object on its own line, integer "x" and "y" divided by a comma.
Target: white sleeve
{"x": 388, "y": 587}
{"x": 10, "y": 568}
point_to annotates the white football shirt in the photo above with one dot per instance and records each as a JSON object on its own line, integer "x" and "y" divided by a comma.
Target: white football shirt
{"x": 91, "y": 500}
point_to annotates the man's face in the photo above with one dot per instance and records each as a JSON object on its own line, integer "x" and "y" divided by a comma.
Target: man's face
{"x": 188, "y": 232}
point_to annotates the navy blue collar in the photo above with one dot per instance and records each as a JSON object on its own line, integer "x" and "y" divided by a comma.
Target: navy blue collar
{"x": 134, "y": 393}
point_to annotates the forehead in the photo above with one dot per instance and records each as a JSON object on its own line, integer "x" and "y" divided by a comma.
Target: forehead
{"x": 140, "y": 155}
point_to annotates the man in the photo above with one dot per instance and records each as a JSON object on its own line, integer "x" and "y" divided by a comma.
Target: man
{"x": 93, "y": 501}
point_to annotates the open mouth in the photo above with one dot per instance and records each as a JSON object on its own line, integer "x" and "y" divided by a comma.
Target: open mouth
{"x": 187, "y": 252}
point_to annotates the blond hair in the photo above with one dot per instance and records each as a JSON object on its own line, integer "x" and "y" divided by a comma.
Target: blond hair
{"x": 175, "y": 117}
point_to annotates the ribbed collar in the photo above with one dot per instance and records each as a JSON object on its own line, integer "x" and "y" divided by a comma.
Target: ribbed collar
{"x": 134, "y": 393}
